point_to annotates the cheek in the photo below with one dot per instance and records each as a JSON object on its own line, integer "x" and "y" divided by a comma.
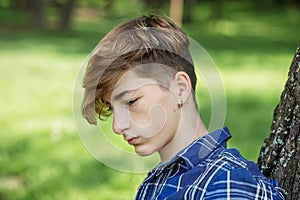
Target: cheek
{"x": 140, "y": 118}
{"x": 151, "y": 121}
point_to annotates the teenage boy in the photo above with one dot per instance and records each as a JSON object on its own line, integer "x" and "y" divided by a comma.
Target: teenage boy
{"x": 142, "y": 73}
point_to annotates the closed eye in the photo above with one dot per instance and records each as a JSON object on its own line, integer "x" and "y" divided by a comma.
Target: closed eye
{"x": 131, "y": 102}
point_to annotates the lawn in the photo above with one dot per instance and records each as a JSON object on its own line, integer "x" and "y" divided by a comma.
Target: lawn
{"x": 41, "y": 154}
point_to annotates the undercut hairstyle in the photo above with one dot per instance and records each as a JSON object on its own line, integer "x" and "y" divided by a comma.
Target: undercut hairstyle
{"x": 155, "y": 42}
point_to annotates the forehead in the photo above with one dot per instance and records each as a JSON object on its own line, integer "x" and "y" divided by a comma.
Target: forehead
{"x": 130, "y": 81}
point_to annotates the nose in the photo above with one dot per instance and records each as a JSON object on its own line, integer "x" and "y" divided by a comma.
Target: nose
{"x": 121, "y": 121}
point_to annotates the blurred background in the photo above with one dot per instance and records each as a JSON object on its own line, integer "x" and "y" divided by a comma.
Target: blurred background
{"x": 44, "y": 42}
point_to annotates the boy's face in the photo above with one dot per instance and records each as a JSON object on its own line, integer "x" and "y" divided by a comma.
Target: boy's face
{"x": 146, "y": 114}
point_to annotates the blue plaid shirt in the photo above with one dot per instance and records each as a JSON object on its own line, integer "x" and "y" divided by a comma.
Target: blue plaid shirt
{"x": 206, "y": 169}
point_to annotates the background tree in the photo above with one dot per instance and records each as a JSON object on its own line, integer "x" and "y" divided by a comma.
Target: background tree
{"x": 66, "y": 14}
{"x": 188, "y": 9}
{"x": 19, "y": 4}
{"x": 36, "y": 7}
{"x": 280, "y": 154}
{"x": 176, "y": 10}
{"x": 154, "y": 4}
{"x": 217, "y": 8}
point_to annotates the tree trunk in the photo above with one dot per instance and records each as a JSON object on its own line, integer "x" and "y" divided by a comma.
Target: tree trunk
{"x": 37, "y": 10}
{"x": 176, "y": 10}
{"x": 280, "y": 154}
{"x": 66, "y": 14}
{"x": 20, "y": 4}
{"x": 188, "y": 8}
{"x": 217, "y": 9}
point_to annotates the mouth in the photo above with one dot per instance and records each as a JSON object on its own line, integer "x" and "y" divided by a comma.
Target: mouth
{"x": 132, "y": 141}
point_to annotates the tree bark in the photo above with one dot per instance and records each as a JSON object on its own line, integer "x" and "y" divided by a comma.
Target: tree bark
{"x": 280, "y": 154}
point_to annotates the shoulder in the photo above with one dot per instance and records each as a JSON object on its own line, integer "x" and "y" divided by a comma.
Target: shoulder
{"x": 231, "y": 162}
{"x": 239, "y": 178}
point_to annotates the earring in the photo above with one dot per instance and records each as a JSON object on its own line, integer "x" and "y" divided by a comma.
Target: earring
{"x": 180, "y": 103}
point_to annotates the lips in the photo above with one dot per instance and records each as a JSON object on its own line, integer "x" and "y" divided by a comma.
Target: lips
{"x": 132, "y": 141}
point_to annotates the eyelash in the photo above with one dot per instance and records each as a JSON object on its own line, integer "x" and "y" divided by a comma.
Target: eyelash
{"x": 131, "y": 102}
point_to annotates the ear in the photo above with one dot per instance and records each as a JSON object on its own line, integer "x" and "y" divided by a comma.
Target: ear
{"x": 183, "y": 85}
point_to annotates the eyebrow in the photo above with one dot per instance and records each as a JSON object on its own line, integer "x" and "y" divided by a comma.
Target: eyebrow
{"x": 122, "y": 94}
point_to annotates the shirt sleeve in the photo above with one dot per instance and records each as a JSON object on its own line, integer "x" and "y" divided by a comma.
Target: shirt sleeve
{"x": 239, "y": 183}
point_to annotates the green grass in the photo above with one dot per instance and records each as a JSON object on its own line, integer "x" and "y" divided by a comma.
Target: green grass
{"x": 41, "y": 155}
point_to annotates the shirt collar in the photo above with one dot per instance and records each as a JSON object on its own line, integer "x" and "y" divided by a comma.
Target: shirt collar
{"x": 196, "y": 151}
{"x": 202, "y": 147}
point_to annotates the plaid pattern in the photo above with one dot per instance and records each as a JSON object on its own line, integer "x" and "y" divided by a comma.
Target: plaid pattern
{"x": 206, "y": 169}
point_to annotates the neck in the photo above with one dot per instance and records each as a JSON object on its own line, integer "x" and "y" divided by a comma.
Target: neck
{"x": 191, "y": 128}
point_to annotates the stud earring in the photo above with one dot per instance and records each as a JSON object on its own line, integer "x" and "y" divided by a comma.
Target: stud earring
{"x": 180, "y": 103}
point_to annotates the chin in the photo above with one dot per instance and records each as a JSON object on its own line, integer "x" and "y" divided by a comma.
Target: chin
{"x": 144, "y": 152}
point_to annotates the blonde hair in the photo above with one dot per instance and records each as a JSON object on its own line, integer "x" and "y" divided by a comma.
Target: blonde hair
{"x": 142, "y": 40}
